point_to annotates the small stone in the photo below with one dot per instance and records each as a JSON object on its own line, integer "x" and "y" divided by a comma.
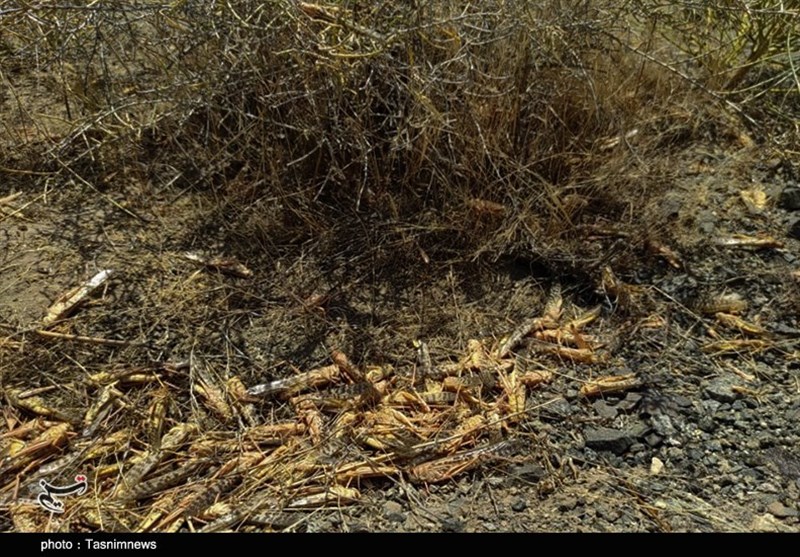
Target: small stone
{"x": 637, "y": 448}
{"x": 682, "y": 401}
{"x": 607, "y": 439}
{"x": 567, "y": 504}
{"x": 674, "y": 453}
{"x": 653, "y": 440}
{"x": 714, "y": 445}
{"x": 753, "y": 460}
{"x": 656, "y": 466}
{"x": 608, "y": 513}
{"x": 694, "y": 453}
{"x": 750, "y": 475}
{"x": 658, "y": 487}
{"x": 767, "y": 487}
{"x": 571, "y": 394}
{"x": 529, "y": 472}
{"x": 779, "y": 510}
{"x": 794, "y": 230}
{"x": 630, "y": 402}
{"x": 452, "y": 525}
{"x": 724, "y": 418}
{"x": 720, "y": 389}
{"x": 519, "y": 505}
{"x": 390, "y": 507}
{"x": 558, "y": 410}
{"x": 395, "y": 517}
{"x": 752, "y": 444}
{"x": 785, "y": 329}
{"x": 768, "y": 523}
{"x": 790, "y": 199}
{"x": 707, "y": 424}
{"x": 662, "y": 424}
{"x": 604, "y": 410}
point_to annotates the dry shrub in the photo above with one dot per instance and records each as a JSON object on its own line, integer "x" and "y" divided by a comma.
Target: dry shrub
{"x": 389, "y": 132}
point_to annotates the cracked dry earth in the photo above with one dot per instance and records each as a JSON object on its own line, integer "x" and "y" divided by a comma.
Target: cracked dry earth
{"x": 700, "y": 433}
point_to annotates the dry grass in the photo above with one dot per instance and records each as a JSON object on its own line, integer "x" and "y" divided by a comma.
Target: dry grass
{"x": 364, "y": 161}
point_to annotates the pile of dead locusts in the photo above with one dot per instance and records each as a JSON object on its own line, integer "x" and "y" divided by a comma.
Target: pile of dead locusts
{"x": 278, "y": 449}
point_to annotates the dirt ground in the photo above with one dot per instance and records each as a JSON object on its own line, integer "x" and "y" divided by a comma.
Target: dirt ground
{"x": 230, "y": 372}
{"x": 705, "y": 440}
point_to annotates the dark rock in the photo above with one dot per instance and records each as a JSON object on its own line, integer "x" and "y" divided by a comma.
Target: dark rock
{"x": 724, "y": 418}
{"x": 794, "y": 230}
{"x": 529, "y": 472}
{"x": 458, "y": 508}
{"x": 767, "y": 523}
{"x": 657, "y": 487}
{"x": 637, "y": 448}
{"x": 779, "y": 510}
{"x": 767, "y": 487}
{"x": 567, "y": 504}
{"x": 390, "y": 507}
{"x": 571, "y": 394}
{"x": 395, "y": 517}
{"x": 790, "y": 199}
{"x": 707, "y": 424}
{"x": 557, "y": 410}
{"x": 694, "y": 454}
{"x": 608, "y": 513}
{"x": 452, "y": 525}
{"x": 714, "y": 445}
{"x": 720, "y": 389}
{"x": 674, "y": 453}
{"x": 662, "y": 425}
{"x": 653, "y": 439}
{"x": 604, "y": 410}
{"x": 630, "y": 402}
{"x": 606, "y": 439}
{"x": 785, "y": 329}
{"x": 519, "y": 505}
{"x": 751, "y": 474}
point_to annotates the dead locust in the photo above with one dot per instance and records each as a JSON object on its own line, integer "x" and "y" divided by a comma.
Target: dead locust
{"x": 761, "y": 241}
{"x": 225, "y": 265}
{"x": 69, "y": 301}
{"x": 739, "y": 324}
{"x": 609, "y": 384}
